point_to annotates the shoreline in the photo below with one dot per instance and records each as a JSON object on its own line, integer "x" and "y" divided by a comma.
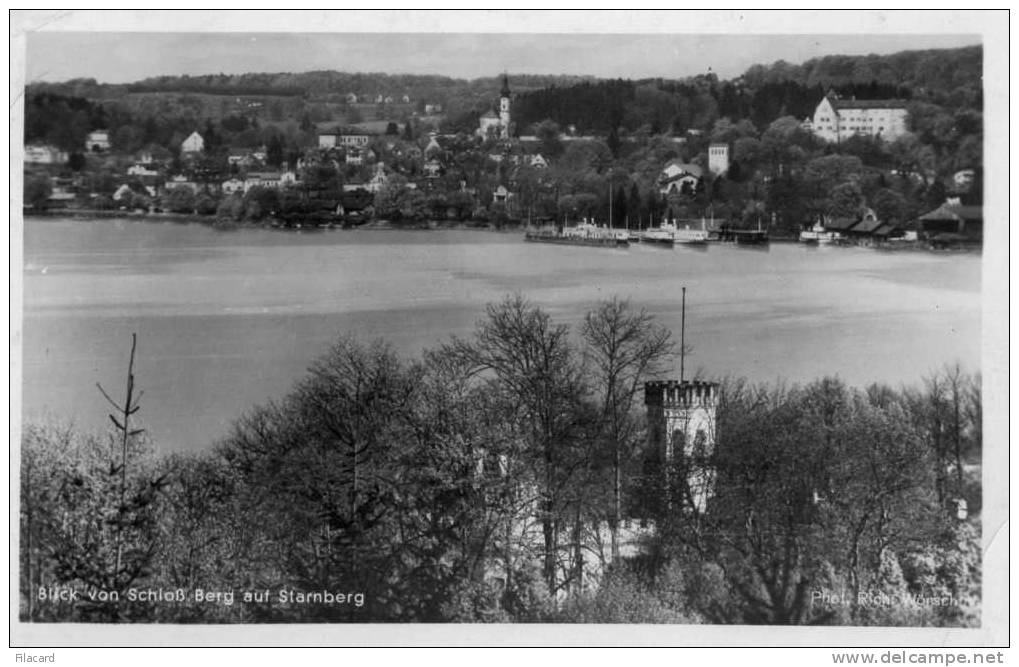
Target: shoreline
{"x": 220, "y": 224}
{"x": 230, "y": 225}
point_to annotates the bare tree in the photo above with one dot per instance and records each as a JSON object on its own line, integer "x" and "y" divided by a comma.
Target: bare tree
{"x": 532, "y": 361}
{"x": 624, "y": 347}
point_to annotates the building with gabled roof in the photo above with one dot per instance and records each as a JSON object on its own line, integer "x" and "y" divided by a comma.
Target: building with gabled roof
{"x": 952, "y": 222}
{"x": 193, "y": 144}
{"x": 840, "y": 225}
{"x": 677, "y": 177}
{"x": 433, "y": 146}
{"x": 863, "y": 230}
{"x": 538, "y": 161}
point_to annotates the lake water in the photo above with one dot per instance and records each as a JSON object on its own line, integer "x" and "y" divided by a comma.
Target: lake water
{"x": 227, "y": 320}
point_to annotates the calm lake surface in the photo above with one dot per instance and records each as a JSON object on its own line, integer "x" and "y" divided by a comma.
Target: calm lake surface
{"x": 228, "y": 320}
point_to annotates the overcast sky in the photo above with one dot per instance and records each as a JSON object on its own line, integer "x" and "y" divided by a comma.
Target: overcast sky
{"x": 53, "y": 54}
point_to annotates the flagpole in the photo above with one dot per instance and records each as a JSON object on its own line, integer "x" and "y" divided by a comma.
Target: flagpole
{"x": 682, "y": 338}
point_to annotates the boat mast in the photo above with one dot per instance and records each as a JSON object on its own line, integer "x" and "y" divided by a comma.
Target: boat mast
{"x": 682, "y": 338}
{"x": 610, "y": 202}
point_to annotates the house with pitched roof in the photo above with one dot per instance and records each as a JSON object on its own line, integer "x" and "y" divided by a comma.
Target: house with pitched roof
{"x": 836, "y": 119}
{"x": 678, "y": 177}
{"x": 840, "y": 226}
{"x": 434, "y": 147}
{"x": 863, "y": 231}
{"x": 193, "y": 144}
{"x": 133, "y": 188}
{"x": 952, "y": 223}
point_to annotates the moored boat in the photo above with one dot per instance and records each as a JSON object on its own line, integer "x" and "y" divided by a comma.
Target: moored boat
{"x": 818, "y": 235}
{"x": 689, "y": 236}
{"x": 663, "y": 235}
{"x": 585, "y": 233}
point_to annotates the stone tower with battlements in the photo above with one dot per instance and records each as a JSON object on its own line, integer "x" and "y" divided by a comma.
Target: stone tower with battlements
{"x": 681, "y": 430}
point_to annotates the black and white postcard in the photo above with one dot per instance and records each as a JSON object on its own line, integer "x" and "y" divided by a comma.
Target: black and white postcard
{"x": 632, "y": 327}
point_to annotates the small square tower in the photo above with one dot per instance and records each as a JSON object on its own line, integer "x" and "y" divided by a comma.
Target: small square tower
{"x": 718, "y": 159}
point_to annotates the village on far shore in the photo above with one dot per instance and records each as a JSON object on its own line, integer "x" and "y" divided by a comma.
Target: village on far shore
{"x": 418, "y": 172}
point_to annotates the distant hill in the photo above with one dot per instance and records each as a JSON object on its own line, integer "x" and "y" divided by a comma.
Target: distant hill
{"x": 161, "y": 107}
{"x": 318, "y": 86}
{"x": 936, "y": 72}
{"x": 943, "y": 76}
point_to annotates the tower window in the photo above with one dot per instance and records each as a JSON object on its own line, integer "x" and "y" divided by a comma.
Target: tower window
{"x": 700, "y": 446}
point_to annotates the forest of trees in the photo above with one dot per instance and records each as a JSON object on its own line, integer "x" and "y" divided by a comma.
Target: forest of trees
{"x": 414, "y": 481}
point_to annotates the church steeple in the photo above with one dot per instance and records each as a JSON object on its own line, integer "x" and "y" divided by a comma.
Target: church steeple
{"x": 504, "y": 108}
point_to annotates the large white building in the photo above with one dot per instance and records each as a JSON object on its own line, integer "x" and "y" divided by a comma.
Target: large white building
{"x": 836, "y": 119}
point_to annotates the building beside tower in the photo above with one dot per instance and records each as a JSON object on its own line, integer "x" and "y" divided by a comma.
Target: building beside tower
{"x": 498, "y": 124}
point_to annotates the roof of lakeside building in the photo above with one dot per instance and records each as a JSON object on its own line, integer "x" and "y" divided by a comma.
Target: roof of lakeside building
{"x": 886, "y": 229}
{"x": 867, "y": 225}
{"x": 955, "y": 212}
{"x": 840, "y": 224}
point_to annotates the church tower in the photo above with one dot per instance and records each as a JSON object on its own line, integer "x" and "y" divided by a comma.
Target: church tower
{"x": 504, "y": 108}
{"x": 681, "y": 419}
